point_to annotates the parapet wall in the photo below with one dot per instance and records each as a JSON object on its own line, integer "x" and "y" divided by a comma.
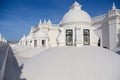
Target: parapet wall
{"x": 3, "y": 58}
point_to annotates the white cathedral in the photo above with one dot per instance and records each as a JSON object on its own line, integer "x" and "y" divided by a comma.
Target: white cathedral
{"x": 77, "y": 29}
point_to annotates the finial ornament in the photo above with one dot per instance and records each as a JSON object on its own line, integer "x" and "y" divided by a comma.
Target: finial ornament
{"x": 49, "y": 21}
{"x": 44, "y": 21}
{"x": 76, "y": 3}
{"x": 40, "y": 22}
{"x": 76, "y": 6}
{"x": 113, "y": 7}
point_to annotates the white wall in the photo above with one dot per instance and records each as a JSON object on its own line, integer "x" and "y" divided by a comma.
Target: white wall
{"x": 53, "y": 33}
{"x": 112, "y": 34}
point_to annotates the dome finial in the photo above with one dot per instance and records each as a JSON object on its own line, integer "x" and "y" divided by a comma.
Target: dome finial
{"x": 113, "y": 7}
{"x": 44, "y": 21}
{"x": 49, "y": 21}
{"x": 76, "y": 2}
{"x": 76, "y": 6}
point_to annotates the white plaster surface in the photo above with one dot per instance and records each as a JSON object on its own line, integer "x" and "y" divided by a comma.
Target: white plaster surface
{"x": 73, "y": 63}
{"x": 28, "y": 52}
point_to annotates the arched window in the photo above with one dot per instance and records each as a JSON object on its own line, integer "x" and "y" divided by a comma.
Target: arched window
{"x": 86, "y": 36}
{"x": 69, "y": 37}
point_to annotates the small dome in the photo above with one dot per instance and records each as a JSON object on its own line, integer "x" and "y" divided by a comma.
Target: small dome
{"x": 71, "y": 63}
{"x": 75, "y": 14}
{"x": 41, "y": 34}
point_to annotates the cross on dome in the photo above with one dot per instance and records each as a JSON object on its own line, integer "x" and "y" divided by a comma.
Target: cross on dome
{"x": 76, "y": 6}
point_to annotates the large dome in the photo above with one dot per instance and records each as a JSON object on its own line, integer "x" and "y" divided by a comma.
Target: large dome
{"x": 71, "y": 63}
{"x": 75, "y": 14}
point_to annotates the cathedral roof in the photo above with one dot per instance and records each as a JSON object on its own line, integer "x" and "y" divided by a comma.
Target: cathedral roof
{"x": 76, "y": 14}
{"x": 71, "y": 63}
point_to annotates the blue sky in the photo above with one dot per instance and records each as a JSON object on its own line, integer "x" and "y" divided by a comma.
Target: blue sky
{"x": 17, "y": 16}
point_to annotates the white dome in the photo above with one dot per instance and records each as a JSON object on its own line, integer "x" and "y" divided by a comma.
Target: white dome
{"x": 41, "y": 34}
{"x": 75, "y": 14}
{"x": 71, "y": 63}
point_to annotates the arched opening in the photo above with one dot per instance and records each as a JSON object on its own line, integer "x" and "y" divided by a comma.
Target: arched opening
{"x": 86, "y": 36}
{"x": 35, "y": 43}
{"x": 43, "y": 43}
{"x": 69, "y": 37}
{"x": 25, "y": 42}
{"x": 99, "y": 42}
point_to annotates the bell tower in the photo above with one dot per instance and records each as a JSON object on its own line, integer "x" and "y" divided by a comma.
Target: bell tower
{"x": 114, "y": 27}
